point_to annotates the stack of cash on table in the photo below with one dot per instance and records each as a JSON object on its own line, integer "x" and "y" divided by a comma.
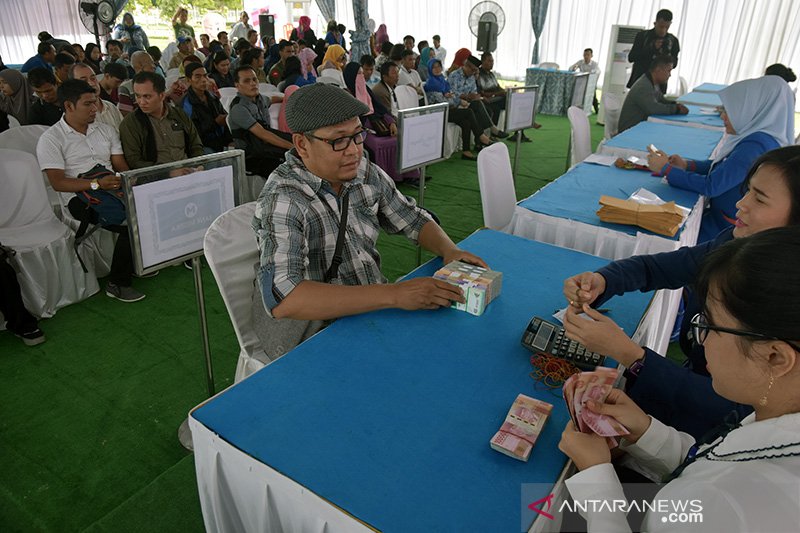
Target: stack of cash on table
{"x": 480, "y": 285}
{"x": 522, "y": 426}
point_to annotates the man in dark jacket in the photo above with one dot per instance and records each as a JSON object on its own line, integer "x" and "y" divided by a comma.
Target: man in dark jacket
{"x": 156, "y": 133}
{"x": 45, "y": 110}
{"x": 205, "y": 110}
{"x": 652, "y": 43}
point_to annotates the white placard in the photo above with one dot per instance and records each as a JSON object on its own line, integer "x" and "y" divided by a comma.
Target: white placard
{"x": 173, "y": 214}
{"x": 422, "y": 137}
{"x": 519, "y": 111}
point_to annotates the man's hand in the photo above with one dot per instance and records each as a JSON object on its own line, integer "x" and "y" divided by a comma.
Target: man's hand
{"x": 174, "y": 173}
{"x": 110, "y": 182}
{"x": 584, "y": 288}
{"x": 221, "y": 120}
{"x": 426, "y": 293}
{"x": 393, "y": 129}
{"x": 461, "y": 255}
{"x": 682, "y": 110}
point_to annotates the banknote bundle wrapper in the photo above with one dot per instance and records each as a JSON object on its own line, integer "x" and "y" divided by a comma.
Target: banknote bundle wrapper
{"x": 595, "y": 385}
{"x": 522, "y": 426}
{"x": 479, "y": 285}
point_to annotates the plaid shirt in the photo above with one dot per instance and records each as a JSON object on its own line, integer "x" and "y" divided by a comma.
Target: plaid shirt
{"x": 297, "y": 221}
{"x": 461, "y": 84}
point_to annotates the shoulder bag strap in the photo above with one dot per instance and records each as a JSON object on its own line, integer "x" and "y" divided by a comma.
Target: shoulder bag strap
{"x": 333, "y": 270}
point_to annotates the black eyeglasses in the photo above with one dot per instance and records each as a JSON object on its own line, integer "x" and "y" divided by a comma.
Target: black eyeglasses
{"x": 342, "y": 143}
{"x": 701, "y": 327}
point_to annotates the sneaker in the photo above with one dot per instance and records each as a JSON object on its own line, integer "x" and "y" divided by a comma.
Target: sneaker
{"x": 32, "y": 338}
{"x": 123, "y": 294}
{"x": 500, "y": 134}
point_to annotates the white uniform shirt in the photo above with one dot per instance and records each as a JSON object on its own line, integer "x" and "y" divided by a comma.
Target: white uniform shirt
{"x": 440, "y": 53}
{"x": 583, "y": 66}
{"x": 63, "y": 148}
{"x": 109, "y": 115}
{"x": 410, "y": 78}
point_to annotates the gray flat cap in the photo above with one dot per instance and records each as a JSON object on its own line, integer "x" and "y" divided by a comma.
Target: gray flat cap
{"x": 318, "y": 105}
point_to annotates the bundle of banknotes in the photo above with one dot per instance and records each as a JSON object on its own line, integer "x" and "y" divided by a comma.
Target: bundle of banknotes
{"x": 595, "y": 385}
{"x": 522, "y": 426}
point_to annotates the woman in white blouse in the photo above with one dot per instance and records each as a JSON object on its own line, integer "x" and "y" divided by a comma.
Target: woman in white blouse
{"x": 748, "y": 478}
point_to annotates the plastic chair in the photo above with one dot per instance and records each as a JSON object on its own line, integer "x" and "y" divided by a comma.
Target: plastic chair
{"x": 226, "y": 95}
{"x": 267, "y": 89}
{"x": 683, "y": 87}
{"x": 549, "y": 65}
{"x": 49, "y": 273}
{"x": 497, "y": 186}
{"x": 13, "y": 122}
{"x": 26, "y": 138}
{"x": 580, "y": 140}
{"x": 166, "y": 55}
{"x": 231, "y": 251}
{"x": 407, "y": 97}
{"x": 612, "y": 105}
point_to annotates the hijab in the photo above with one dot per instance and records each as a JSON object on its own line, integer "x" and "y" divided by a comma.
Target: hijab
{"x": 424, "y": 56}
{"x": 436, "y": 84}
{"x": 381, "y": 36}
{"x": 19, "y": 103}
{"x": 458, "y": 60}
{"x": 331, "y": 56}
{"x": 354, "y": 80}
{"x": 303, "y": 26}
{"x": 763, "y": 105}
{"x": 274, "y": 57}
{"x": 307, "y": 55}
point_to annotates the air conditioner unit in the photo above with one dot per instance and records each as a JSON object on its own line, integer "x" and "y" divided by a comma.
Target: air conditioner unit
{"x": 618, "y": 68}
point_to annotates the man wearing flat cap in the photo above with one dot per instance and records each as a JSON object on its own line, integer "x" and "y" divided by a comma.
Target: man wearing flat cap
{"x": 326, "y": 181}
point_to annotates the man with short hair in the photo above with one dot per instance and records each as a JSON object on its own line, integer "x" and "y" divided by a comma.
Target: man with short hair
{"x": 384, "y": 90}
{"x": 45, "y": 109}
{"x": 494, "y": 96}
{"x": 408, "y": 75}
{"x": 114, "y": 54}
{"x": 205, "y": 41}
{"x": 589, "y": 66}
{"x": 368, "y": 69}
{"x": 77, "y": 145}
{"x": 285, "y": 50}
{"x": 439, "y": 51}
{"x": 241, "y": 28}
{"x": 222, "y": 37}
{"x": 113, "y": 76}
{"x": 326, "y": 179}
{"x": 185, "y": 49}
{"x": 107, "y": 113}
{"x": 645, "y": 97}
{"x": 652, "y": 43}
{"x": 44, "y": 58}
{"x": 205, "y": 110}
{"x": 465, "y": 89}
{"x": 264, "y": 146}
{"x": 156, "y": 133}
{"x": 408, "y": 42}
{"x": 61, "y": 66}
{"x": 252, "y": 38}
{"x": 141, "y": 61}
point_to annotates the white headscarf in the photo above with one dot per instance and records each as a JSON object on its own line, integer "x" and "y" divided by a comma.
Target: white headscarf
{"x": 763, "y": 104}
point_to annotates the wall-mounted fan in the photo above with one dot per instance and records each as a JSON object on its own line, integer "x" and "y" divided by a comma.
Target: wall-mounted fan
{"x": 486, "y": 21}
{"x": 98, "y": 15}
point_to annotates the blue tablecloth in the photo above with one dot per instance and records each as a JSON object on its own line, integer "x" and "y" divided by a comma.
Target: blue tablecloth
{"x": 709, "y": 88}
{"x": 576, "y": 194}
{"x": 555, "y": 89}
{"x": 694, "y": 117}
{"x": 689, "y": 143}
{"x": 701, "y": 99}
{"x": 388, "y": 415}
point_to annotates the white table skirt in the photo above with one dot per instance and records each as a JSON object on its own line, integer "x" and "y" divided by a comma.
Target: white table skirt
{"x": 658, "y": 322}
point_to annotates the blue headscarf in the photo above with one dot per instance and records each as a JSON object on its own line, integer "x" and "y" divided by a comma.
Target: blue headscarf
{"x": 436, "y": 84}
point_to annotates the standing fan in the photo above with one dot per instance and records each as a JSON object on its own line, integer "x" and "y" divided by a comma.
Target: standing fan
{"x": 98, "y": 15}
{"x": 486, "y": 21}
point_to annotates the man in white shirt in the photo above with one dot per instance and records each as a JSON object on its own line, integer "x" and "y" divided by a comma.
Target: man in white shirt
{"x": 587, "y": 65}
{"x": 241, "y": 28}
{"x": 408, "y": 74}
{"x": 438, "y": 51}
{"x": 107, "y": 113}
{"x": 76, "y": 145}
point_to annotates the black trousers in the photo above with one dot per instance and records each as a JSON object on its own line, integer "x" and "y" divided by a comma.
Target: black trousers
{"x": 494, "y": 106}
{"x": 264, "y": 158}
{"x": 465, "y": 118}
{"x": 19, "y": 320}
{"x": 121, "y": 272}
{"x": 481, "y": 114}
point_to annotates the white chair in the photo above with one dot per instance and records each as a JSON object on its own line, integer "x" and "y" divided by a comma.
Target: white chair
{"x": 497, "y": 186}
{"x": 407, "y": 97}
{"x": 580, "y": 139}
{"x": 612, "y": 105}
{"x": 452, "y": 139}
{"x": 231, "y": 251}
{"x": 166, "y": 55}
{"x": 226, "y": 95}
{"x": 547, "y": 64}
{"x": 267, "y": 89}
{"x": 25, "y": 138}
{"x": 13, "y": 122}
{"x": 50, "y": 275}
{"x": 683, "y": 87}
{"x": 332, "y": 76}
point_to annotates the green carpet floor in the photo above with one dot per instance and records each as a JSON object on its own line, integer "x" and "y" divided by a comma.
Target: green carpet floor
{"x": 88, "y": 420}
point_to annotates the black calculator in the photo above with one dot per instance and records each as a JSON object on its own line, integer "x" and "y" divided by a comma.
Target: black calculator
{"x": 542, "y": 336}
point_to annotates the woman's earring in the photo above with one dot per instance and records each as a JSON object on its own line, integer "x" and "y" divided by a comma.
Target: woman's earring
{"x": 763, "y": 401}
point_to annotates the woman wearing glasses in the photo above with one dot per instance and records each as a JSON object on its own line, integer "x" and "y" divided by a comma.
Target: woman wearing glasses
{"x": 745, "y": 476}
{"x": 680, "y": 396}
{"x": 758, "y": 116}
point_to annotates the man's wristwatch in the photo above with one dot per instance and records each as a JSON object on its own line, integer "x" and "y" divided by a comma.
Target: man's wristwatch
{"x": 95, "y": 184}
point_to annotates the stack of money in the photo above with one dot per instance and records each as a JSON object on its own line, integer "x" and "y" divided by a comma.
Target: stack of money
{"x": 664, "y": 219}
{"x": 479, "y": 285}
{"x": 595, "y": 385}
{"x": 522, "y": 426}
